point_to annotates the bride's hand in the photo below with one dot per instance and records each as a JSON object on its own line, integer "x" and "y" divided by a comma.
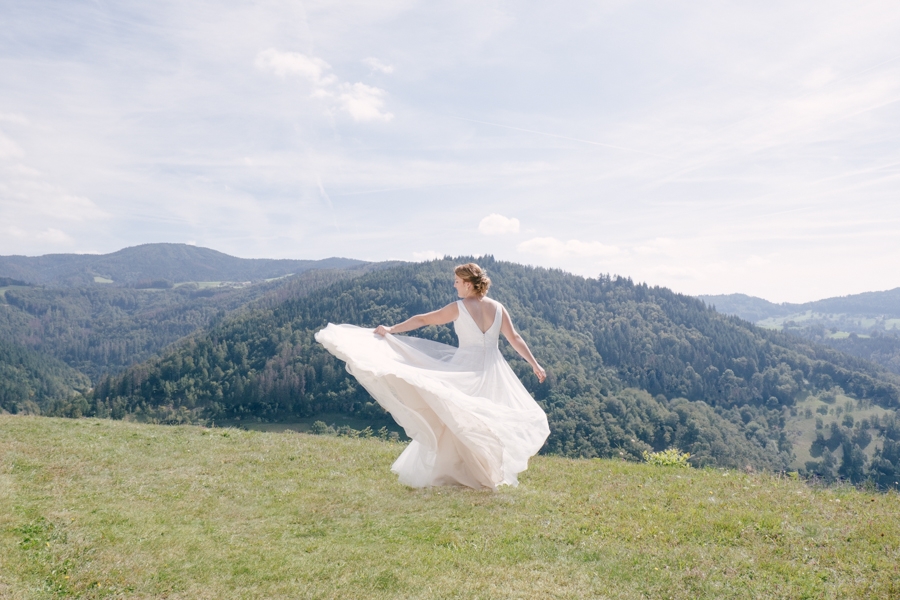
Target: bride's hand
{"x": 382, "y": 330}
{"x": 540, "y": 373}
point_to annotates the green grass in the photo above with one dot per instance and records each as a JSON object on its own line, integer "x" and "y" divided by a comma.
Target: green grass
{"x": 104, "y": 509}
{"x": 304, "y": 425}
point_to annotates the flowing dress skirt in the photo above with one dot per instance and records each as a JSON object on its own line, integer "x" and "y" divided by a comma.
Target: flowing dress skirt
{"x": 471, "y": 420}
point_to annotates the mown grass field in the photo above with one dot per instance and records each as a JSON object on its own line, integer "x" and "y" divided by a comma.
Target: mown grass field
{"x": 103, "y": 509}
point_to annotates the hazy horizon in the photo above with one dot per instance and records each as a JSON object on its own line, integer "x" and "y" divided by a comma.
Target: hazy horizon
{"x": 355, "y": 258}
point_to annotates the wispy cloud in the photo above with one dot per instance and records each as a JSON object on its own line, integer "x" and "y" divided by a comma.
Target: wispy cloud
{"x": 8, "y": 148}
{"x": 362, "y": 102}
{"x": 13, "y": 118}
{"x": 376, "y": 65}
{"x": 554, "y": 248}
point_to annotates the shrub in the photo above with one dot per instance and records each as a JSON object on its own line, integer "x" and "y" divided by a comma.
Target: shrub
{"x": 673, "y": 457}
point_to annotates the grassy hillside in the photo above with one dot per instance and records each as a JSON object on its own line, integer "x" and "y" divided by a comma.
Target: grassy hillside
{"x": 103, "y": 509}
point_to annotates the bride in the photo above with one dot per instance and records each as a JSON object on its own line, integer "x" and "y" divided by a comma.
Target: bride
{"x": 471, "y": 420}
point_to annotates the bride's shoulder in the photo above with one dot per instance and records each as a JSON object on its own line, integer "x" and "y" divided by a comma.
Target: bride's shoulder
{"x": 497, "y": 306}
{"x": 452, "y": 309}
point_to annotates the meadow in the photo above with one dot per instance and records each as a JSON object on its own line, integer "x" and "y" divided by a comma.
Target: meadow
{"x": 801, "y": 427}
{"x": 113, "y": 509}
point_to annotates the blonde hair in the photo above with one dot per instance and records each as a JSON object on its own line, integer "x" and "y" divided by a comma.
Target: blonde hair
{"x": 475, "y": 275}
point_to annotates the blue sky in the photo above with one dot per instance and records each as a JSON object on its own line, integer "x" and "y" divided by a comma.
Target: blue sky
{"x": 710, "y": 147}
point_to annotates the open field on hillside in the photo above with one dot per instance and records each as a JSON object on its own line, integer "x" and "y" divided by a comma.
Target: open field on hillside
{"x": 856, "y": 322}
{"x": 10, "y": 287}
{"x": 111, "y": 509}
{"x": 802, "y": 427}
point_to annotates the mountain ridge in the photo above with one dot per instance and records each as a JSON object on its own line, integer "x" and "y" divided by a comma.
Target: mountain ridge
{"x": 864, "y": 325}
{"x": 754, "y": 309}
{"x": 165, "y": 262}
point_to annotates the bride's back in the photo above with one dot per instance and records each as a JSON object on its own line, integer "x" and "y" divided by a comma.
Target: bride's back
{"x": 483, "y": 312}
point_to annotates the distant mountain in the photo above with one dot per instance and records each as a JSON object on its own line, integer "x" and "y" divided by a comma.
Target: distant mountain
{"x": 750, "y": 308}
{"x": 868, "y": 304}
{"x": 154, "y": 265}
{"x": 101, "y": 329}
{"x": 863, "y": 325}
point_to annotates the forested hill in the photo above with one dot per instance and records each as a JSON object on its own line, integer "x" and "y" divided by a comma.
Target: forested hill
{"x": 631, "y": 367}
{"x": 154, "y": 264}
{"x": 102, "y": 329}
{"x": 30, "y": 382}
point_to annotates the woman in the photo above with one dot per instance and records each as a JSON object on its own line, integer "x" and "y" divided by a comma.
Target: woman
{"x": 471, "y": 420}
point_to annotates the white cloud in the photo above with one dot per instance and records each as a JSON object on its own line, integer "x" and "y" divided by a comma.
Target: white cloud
{"x": 426, "y": 256}
{"x": 819, "y": 77}
{"x": 554, "y": 248}
{"x": 14, "y": 118}
{"x": 24, "y": 170}
{"x": 54, "y": 236}
{"x": 362, "y": 102}
{"x": 24, "y": 197}
{"x": 657, "y": 246}
{"x": 376, "y": 65}
{"x": 8, "y": 148}
{"x": 495, "y": 224}
{"x": 757, "y": 261}
{"x": 50, "y": 235}
{"x": 293, "y": 63}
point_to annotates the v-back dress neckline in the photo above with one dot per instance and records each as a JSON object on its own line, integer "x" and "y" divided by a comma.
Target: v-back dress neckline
{"x": 474, "y": 322}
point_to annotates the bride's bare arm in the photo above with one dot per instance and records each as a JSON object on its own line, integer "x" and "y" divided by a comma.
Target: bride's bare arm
{"x": 519, "y": 345}
{"x": 438, "y": 317}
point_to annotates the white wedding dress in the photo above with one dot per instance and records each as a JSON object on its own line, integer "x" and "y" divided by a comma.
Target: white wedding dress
{"x": 471, "y": 420}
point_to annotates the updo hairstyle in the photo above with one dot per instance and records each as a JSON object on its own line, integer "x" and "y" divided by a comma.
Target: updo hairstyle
{"x": 476, "y": 276}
